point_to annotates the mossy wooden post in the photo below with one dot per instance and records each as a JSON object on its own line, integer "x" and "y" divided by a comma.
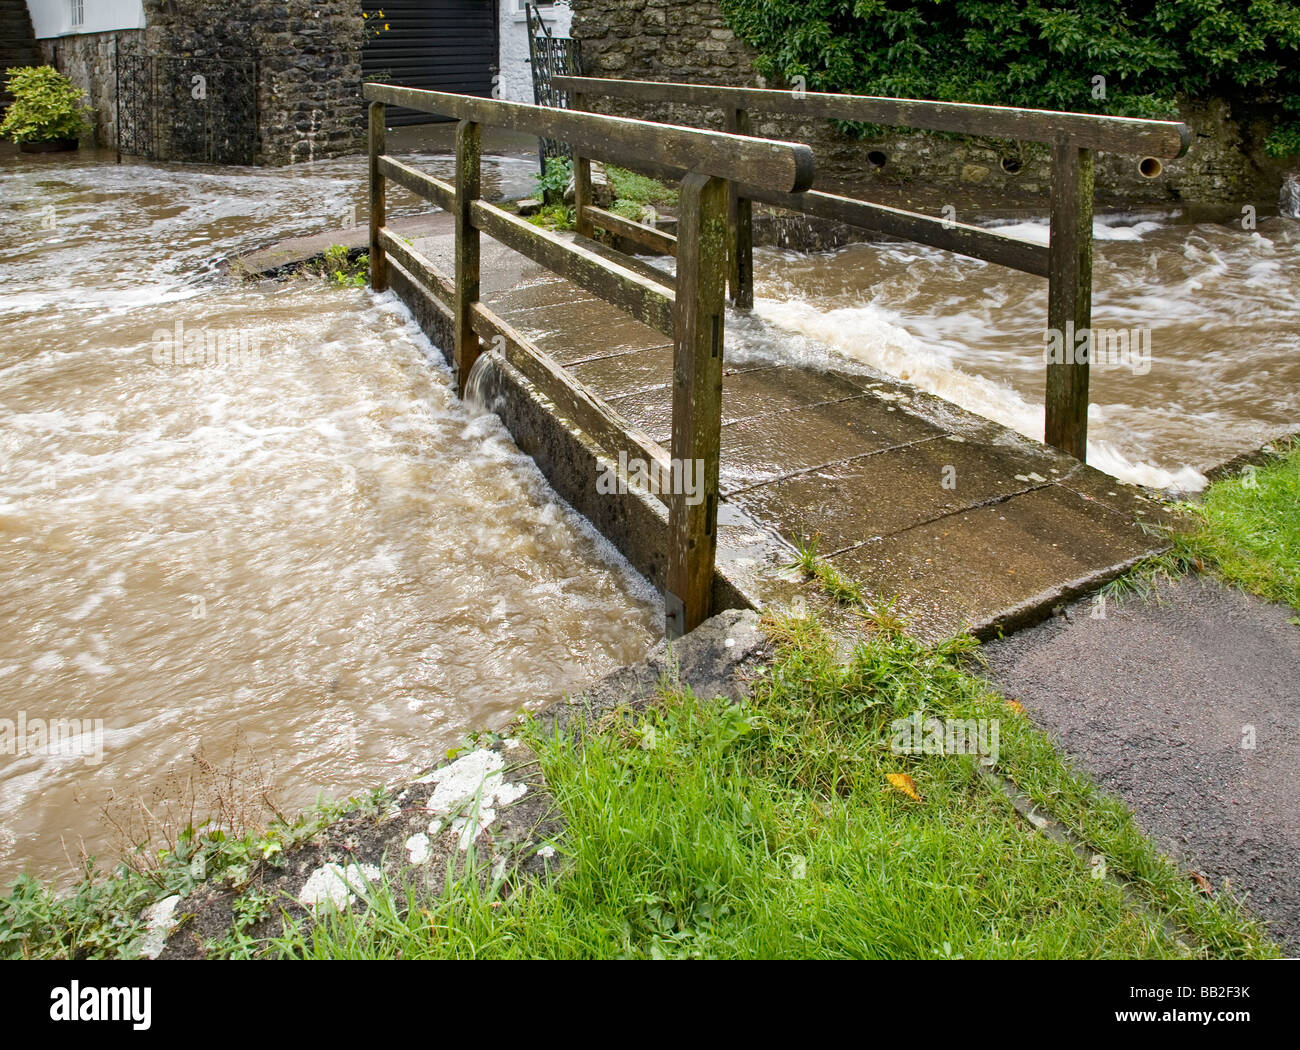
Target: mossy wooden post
{"x": 1069, "y": 297}
{"x": 740, "y": 227}
{"x": 469, "y": 150}
{"x": 582, "y": 185}
{"x": 697, "y": 400}
{"x": 378, "y": 200}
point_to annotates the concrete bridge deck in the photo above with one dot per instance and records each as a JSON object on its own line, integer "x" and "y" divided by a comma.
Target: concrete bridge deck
{"x": 970, "y": 524}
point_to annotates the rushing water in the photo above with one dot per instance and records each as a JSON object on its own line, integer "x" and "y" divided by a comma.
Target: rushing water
{"x": 1217, "y": 303}
{"x": 308, "y": 549}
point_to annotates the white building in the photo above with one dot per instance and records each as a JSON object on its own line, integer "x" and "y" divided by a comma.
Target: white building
{"x": 516, "y": 73}
{"x": 55, "y": 18}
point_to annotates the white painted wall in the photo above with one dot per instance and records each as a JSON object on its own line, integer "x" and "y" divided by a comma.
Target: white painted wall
{"x": 52, "y": 18}
{"x": 516, "y": 73}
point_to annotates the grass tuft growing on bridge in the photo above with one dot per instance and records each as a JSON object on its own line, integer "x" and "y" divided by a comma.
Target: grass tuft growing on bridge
{"x": 787, "y": 826}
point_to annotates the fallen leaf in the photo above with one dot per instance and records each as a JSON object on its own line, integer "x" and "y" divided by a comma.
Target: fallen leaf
{"x": 904, "y": 784}
{"x": 1202, "y": 883}
{"x": 1015, "y": 706}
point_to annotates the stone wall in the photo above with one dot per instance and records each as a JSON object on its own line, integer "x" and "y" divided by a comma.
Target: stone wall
{"x": 309, "y": 64}
{"x": 308, "y": 77}
{"x": 89, "y": 61}
{"x": 689, "y": 40}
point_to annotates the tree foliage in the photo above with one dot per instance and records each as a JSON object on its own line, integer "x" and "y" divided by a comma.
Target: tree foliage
{"x": 1044, "y": 54}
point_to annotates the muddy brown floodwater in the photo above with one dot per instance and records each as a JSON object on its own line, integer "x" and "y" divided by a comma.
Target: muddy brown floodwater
{"x": 308, "y": 548}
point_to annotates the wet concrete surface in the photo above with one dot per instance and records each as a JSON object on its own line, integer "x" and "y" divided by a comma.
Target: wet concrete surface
{"x": 1187, "y": 706}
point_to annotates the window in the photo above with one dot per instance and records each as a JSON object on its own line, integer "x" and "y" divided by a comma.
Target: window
{"x": 76, "y": 13}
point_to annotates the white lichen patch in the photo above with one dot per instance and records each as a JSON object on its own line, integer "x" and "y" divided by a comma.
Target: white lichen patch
{"x": 159, "y": 922}
{"x": 418, "y": 849}
{"x": 473, "y": 787}
{"x": 336, "y": 885}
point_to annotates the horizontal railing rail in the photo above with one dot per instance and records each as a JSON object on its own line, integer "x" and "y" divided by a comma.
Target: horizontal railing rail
{"x": 689, "y": 306}
{"x": 1129, "y": 135}
{"x": 1066, "y": 260}
{"x": 772, "y": 164}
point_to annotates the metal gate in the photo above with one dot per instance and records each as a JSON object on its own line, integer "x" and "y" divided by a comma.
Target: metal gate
{"x": 550, "y": 56}
{"x": 180, "y": 108}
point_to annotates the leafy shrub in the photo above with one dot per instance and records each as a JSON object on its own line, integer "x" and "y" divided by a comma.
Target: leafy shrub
{"x": 47, "y": 106}
{"x": 555, "y": 180}
{"x": 1044, "y": 54}
{"x": 343, "y": 268}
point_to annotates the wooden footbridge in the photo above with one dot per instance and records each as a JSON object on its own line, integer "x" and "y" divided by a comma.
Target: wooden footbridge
{"x": 601, "y": 360}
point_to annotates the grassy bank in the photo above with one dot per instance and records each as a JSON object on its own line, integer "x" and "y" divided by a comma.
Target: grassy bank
{"x": 788, "y": 827}
{"x": 1245, "y": 531}
{"x": 1249, "y": 529}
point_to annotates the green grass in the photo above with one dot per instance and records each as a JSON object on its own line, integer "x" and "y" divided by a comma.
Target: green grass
{"x": 1249, "y": 529}
{"x": 100, "y": 917}
{"x": 770, "y": 828}
{"x": 639, "y": 189}
{"x": 1245, "y": 531}
{"x": 628, "y": 209}
{"x": 704, "y": 828}
{"x": 554, "y": 217}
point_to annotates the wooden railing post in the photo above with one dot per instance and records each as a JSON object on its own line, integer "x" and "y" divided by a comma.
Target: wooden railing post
{"x": 582, "y": 184}
{"x": 697, "y": 400}
{"x": 740, "y": 227}
{"x": 469, "y": 150}
{"x": 1069, "y": 298}
{"x": 378, "y": 200}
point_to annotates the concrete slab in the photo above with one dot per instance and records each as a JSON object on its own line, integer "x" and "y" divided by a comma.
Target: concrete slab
{"x": 619, "y": 374}
{"x": 885, "y": 492}
{"x": 970, "y": 523}
{"x": 581, "y": 330}
{"x": 1000, "y": 566}
{"x": 754, "y": 392}
{"x": 766, "y": 448}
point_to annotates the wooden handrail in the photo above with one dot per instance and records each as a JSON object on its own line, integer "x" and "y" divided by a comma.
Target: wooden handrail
{"x": 1129, "y": 135}
{"x": 647, "y": 301}
{"x": 769, "y": 163}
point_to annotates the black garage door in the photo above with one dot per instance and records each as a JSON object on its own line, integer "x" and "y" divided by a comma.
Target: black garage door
{"x": 442, "y": 45}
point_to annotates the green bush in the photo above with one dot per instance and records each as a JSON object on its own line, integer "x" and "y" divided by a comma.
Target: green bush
{"x": 1045, "y": 53}
{"x": 555, "y": 180}
{"x": 47, "y": 106}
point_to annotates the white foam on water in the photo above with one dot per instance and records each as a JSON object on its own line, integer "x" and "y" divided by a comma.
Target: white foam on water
{"x": 874, "y": 337}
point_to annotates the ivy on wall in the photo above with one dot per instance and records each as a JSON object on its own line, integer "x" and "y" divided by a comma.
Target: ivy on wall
{"x": 1123, "y": 57}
